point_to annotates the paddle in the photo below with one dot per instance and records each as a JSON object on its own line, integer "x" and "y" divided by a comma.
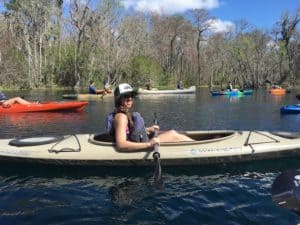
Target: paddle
{"x": 286, "y": 190}
{"x": 156, "y": 156}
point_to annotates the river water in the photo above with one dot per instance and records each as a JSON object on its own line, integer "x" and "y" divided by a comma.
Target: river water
{"x": 226, "y": 194}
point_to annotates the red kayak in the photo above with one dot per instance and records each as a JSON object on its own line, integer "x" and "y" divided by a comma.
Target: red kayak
{"x": 45, "y": 107}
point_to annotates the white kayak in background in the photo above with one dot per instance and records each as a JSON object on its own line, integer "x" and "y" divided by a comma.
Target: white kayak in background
{"x": 189, "y": 90}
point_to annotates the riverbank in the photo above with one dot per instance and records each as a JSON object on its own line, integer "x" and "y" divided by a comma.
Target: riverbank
{"x": 160, "y": 87}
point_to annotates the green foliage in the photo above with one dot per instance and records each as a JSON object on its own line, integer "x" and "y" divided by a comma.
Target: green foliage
{"x": 64, "y": 70}
{"x": 143, "y": 68}
{"x": 13, "y": 70}
{"x": 282, "y": 48}
{"x": 165, "y": 81}
{"x": 97, "y": 76}
{"x": 12, "y": 5}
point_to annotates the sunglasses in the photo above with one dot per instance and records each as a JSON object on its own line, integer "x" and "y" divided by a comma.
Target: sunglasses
{"x": 128, "y": 96}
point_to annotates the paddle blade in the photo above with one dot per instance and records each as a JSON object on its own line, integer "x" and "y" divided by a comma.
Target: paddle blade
{"x": 286, "y": 190}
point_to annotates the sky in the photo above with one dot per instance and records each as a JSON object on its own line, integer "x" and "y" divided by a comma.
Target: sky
{"x": 262, "y": 14}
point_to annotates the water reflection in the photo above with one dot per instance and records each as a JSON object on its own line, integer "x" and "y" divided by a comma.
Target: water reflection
{"x": 233, "y": 99}
{"x": 29, "y": 124}
{"x": 37, "y": 119}
{"x": 168, "y": 97}
{"x": 277, "y": 99}
{"x": 127, "y": 192}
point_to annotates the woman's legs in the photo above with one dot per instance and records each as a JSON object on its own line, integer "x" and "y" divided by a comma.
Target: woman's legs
{"x": 173, "y": 136}
{"x": 16, "y": 100}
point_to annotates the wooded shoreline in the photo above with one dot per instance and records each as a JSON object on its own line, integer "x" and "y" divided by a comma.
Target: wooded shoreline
{"x": 45, "y": 47}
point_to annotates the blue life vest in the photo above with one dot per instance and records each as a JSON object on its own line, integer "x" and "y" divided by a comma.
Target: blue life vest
{"x": 92, "y": 90}
{"x": 2, "y": 96}
{"x": 137, "y": 134}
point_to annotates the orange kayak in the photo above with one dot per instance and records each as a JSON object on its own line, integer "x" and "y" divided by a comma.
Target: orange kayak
{"x": 45, "y": 107}
{"x": 277, "y": 91}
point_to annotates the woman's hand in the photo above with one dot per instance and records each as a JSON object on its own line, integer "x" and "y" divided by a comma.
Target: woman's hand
{"x": 152, "y": 128}
{"x": 154, "y": 141}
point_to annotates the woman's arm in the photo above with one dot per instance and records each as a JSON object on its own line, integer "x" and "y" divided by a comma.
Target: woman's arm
{"x": 120, "y": 123}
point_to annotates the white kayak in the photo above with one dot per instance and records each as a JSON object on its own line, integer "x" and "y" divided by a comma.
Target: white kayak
{"x": 211, "y": 147}
{"x": 189, "y": 90}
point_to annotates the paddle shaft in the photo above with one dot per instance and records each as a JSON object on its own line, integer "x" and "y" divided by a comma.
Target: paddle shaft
{"x": 156, "y": 155}
{"x": 155, "y": 135}
{"x": 156, "y": 145}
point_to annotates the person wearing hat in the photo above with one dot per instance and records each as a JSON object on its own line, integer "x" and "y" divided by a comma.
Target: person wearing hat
{"x": 128, "y": 128}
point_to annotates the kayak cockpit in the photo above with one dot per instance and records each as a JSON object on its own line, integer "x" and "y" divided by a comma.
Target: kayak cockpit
{"x": 198, "y": 136}
{"x": 208, "y": 136}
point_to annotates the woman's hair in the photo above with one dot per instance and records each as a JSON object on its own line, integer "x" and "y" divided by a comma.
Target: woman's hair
{"x": 122, "y": 109}
{"x": 118, "y": 101}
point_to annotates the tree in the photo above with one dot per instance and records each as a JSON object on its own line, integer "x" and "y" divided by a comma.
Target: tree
{"x": 80, "y": 18}
{"x": 286, "y": 29}
{"x": 200, "y": 18}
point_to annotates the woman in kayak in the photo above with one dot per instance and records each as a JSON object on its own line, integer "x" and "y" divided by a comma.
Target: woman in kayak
{"x": 7, "y": 102}
{"x": 126, "y": 125}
